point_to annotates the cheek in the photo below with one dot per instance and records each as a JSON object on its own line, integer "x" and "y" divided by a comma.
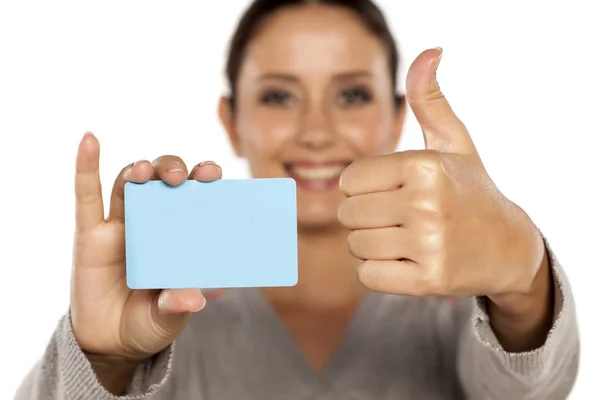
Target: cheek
{"x": 262, "y": 135}
{"x": 368, "y": 133}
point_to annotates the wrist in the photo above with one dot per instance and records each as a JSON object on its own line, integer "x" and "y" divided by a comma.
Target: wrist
{"x": 114, "y": 373}
{"x": 527, "y": 303}
{"x": 522, "y": 321}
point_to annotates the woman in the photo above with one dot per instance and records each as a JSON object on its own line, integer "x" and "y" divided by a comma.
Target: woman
{"x": 313, "y": 91}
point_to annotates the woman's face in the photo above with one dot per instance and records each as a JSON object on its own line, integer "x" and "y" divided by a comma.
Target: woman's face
{"x": 313, "y": 95}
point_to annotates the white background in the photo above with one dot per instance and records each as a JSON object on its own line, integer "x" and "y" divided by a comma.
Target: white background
{"x": 146, "y": 78}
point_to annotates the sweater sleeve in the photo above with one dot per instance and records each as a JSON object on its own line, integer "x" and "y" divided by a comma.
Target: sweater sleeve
{"x": 487, "y": 371}
{"x": 64, "y": 373}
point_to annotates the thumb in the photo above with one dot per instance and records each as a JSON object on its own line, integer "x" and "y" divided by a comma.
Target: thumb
{"x": 175, "y": 307}
{"x": 442, "y": 129}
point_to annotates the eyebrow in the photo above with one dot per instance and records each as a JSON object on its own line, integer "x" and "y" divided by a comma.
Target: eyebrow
{"x": 291, "y": 78}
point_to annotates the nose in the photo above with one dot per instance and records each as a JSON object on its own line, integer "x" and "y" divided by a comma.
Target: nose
{"x": 315, "y": 131}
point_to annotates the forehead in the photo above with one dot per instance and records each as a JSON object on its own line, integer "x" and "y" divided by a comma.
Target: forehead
{"x": 314, "y": 40}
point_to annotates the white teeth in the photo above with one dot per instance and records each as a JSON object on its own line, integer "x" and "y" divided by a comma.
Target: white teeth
{"x": 318, "y": 173}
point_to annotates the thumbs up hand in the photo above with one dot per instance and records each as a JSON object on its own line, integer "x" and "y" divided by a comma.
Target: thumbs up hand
{"x": 431, "y": 222}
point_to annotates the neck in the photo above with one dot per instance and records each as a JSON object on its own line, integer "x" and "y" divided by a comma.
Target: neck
{"x": 326, "y": 273}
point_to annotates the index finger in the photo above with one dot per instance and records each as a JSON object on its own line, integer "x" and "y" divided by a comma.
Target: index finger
{"x": 138, "y": 172}
{"x": 89, "y": 208}
{"x": 386, "y": 172}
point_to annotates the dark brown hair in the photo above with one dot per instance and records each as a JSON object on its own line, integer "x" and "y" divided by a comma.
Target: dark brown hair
{"x": 258, "y": 10}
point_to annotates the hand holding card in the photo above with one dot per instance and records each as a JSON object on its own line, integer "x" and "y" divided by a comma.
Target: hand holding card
{"x": 185, "y": 231}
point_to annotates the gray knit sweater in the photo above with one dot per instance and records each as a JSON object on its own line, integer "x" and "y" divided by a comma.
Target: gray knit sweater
{"x": 395, "y": 348}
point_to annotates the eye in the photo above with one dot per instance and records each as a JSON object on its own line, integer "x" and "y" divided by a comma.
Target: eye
{"x": 278, "y": 98}
{"x": 355, "y": 96}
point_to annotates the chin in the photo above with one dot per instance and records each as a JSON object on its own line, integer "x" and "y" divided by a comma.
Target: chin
{"x": 317, "y": 225}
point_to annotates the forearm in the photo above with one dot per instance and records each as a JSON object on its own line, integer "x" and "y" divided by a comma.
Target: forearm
{"x": 521, "y": 322}
{"x": 66, "y": 373}
{"x": 491, "y": 367}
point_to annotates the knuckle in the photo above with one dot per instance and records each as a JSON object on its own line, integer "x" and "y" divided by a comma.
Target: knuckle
{"x": 435, "y": 283}
{"x": 433, "y": 227}
{"x": 437, "y": 278}
{"x": 86, "y": 197}
{"x": 426, "y": 200}
{"x": 440, "y": 215}
{"x": 434, "y": 94}
{"x": 428, "y": 162}
{"x": 432, "y": 242}
{"x": 430, "y": 204}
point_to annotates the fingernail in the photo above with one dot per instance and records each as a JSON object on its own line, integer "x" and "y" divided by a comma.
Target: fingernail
{"x": 202, "y": 306}
{"x": 88, "y": 134}
{"x": 163, "y": 299}
{"x": 437, "y": 60}
{"x": 174, "y": 167}
{"x": 127, "y": 173}
{"x": 207, "y": 163}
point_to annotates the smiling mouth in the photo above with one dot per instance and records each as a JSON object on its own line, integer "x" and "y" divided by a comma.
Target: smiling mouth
{"x": 316, "y": 176}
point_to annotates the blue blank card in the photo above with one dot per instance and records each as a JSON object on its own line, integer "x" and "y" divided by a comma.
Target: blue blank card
{"x": 221, "y": 234}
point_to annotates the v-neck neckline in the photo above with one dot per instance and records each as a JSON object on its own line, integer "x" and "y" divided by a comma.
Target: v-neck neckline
{"x": 294, "y": 356}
